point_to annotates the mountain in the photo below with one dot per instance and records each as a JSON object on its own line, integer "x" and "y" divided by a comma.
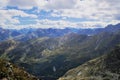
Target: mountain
{"x": 112, "y": 28}
{"x": 52, "y": 57}
{"x": 106, "y": 67}
{"x": 31, "y": 33}
{"x": 3, "y": 34}
{"x": 9, "y": 71}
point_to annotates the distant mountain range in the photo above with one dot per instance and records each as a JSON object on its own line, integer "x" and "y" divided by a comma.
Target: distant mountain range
{"x": 27, "y": 34}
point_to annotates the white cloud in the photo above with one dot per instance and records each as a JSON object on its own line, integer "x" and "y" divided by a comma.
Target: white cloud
{"x": 22, "y": 4}
{"x": 62, "y": 24}
{"x": 54, "y": 24}
{"x": 7, "y": 17}
{"x": 95, "y": 9}
{"x": 90, "y": 9}
{"x": 3, "y": 3}
{"x": 102, "y": 12}
{"x": 60, "y": 4}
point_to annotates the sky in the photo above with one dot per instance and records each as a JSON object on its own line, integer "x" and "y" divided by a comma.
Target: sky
{"x": 17, "y": 14}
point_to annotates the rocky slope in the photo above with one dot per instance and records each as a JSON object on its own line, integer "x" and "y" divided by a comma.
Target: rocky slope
{"x": 106, "y": 67}
{"x": 8, "y": 71}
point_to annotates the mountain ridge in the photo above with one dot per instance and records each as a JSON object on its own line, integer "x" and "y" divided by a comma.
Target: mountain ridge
{"x": 27, "y": 34}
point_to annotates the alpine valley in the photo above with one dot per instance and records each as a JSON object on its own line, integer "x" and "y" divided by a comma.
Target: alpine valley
{"x": 63, "y": 54}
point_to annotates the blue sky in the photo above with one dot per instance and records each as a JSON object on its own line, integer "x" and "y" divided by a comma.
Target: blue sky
{"x": 19, "y": 14}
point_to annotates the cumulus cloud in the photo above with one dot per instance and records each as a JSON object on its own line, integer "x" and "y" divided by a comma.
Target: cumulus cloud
{"x": 95, "y": 12}
{"x": 102, "y": 11}
{"x": 91, "y": 9}
{"x": 7, "y": 17}
{"x": 63, "y": 24}
{"x": 60, "y": 4}
{"x": 22, "y": 4}
{"x": 3, "y": 3}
